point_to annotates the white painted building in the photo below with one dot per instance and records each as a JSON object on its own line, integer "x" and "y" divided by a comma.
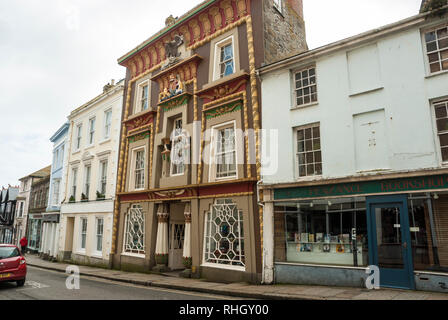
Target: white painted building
{"x": 87, "y": 210}
{"x": 49, "y": 248}
{"x": 362, "y": 175}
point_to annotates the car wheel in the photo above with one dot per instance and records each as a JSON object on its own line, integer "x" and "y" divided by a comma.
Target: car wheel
{"x": 21, "y": 283}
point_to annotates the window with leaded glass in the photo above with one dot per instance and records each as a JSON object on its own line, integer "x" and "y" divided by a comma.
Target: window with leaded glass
{"x": 309, "y": 154}
{"x": 224, "y": 235}
{"x": 178, "y": 150}
{"x": 139, "y": 169}
{"x": 135, "y": 231}
{"x": 442, "y": 127}
{"x": 305, "y": 86}
{"x": 437, "y": 49}
{"x": 225, "y": 152}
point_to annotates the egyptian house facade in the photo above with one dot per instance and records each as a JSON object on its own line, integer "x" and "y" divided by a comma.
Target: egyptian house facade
{"x": 187, "y": 174}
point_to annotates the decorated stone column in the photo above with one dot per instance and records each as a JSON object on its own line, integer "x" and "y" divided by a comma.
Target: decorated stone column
{"x": 162, "y": 236}
{"x": 187, "y": 237}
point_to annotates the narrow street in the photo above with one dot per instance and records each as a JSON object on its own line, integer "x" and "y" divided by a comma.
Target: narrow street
{"x": 50, "y": 285}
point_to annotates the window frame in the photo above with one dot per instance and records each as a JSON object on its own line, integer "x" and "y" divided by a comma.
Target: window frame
{"x": 175, "y": 135}
{"x": 78, "y": 141}
{"x": 213, "y": 148}
{"x": 217, "y": 57}
{"x": 296, "y": 151}
{"x": 424, "y": 31}
{"x": 81, "y": 234}
{"x": 92, "y": 125}
{"x": 142, "y": 253}
{"x": 207, "y": 234}
{"x": 74, "y": 182}
{"x": 87, "y": 180}
{"x": 101, "y": 179}
{"x": 295, "y": 89}
{"x": 132, "y": 179}
{"x": 436, "y": 130}
{"x": 55, "y": 195}
{"x": 107, "y": 128}
{"x": 139, "y": 98}
{"x": 97, "y": 235}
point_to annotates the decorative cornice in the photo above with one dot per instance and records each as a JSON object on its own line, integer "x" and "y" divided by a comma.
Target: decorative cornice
{"x": 218, "y": 111}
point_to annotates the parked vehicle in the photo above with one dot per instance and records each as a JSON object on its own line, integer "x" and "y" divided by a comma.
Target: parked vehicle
{"x": 12, "y": 265}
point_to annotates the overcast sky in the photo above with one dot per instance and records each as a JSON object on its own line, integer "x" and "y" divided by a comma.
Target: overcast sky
{"x": 55, "y": 55}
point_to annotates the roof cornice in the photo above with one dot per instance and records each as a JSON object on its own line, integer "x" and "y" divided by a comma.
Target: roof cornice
{"x": 165, "y": 30}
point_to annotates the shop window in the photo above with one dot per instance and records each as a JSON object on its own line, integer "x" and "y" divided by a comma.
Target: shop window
{"x": 224, "y": 235}
{"x": 135, "y": 231}
{"x": 436, "y": 42}
{"x": 428, "y": 221}
{"x": 322, "y": 232}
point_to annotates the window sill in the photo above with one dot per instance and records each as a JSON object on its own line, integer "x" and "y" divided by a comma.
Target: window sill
{"x": 135, "y": 255}
{"x": 223, "y": 266}
{"x": 435, "y": 74}
{"x": 90, "y": 146}
{"x": 98, "y": 255}
{"x": 309, "y": 178}
{"x": 76, "y": 151}
{"x": 304, "y": 106}
{"x": 105, "y": 141}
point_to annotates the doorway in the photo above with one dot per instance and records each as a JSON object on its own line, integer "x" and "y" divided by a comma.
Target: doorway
{"x": 390, "y": 240}
{"x": 176, "y": 245}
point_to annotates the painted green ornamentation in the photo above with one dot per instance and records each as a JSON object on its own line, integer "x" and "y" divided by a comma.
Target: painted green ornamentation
{"x": 140, "y": 136}
{"x": 222, "y": 110}
{"x": 175, "y": 102}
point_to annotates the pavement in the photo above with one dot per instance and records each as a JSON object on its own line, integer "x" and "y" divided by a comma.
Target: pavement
{"x": 47, "y": 285}
{"x": 241, "y": 290}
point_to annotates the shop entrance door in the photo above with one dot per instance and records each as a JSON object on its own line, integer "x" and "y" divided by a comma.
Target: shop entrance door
{"x": 390, "y": 240}
{"x": 176, "y": 245}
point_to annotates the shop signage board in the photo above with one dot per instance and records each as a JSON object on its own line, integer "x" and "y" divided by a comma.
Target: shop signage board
{"x": 387, "y": 186}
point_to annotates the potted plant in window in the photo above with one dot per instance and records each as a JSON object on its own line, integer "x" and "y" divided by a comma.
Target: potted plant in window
{"x": 72, "y": 199}
{"x": 100, "y": 196}
{"x": 84, "y": 198}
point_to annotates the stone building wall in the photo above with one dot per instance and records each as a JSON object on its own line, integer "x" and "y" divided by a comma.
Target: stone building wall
{"x": 284, "y": 31}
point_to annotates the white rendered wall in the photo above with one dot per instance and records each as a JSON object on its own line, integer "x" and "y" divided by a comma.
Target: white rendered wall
{"x": 403, "y": 93}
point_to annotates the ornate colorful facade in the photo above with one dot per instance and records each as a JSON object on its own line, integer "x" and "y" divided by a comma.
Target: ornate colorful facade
{"x": 189, "y": 158}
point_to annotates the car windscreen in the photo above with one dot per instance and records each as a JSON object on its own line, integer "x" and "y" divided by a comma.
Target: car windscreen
{"x": 8, "y": 252}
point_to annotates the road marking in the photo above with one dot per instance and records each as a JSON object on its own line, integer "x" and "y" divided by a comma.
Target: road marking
{"x": 36, "y": 285}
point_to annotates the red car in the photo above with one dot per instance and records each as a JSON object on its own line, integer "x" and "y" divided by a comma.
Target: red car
{"x": 12, "y": 265}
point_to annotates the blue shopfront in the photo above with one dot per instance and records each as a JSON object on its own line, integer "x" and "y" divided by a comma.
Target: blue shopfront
{"x": 330, "y": 234}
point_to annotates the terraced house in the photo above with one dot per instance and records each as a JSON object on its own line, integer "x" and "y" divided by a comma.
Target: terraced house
{"x": 89, "y": 178}
{"x": 186, "y": 184}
